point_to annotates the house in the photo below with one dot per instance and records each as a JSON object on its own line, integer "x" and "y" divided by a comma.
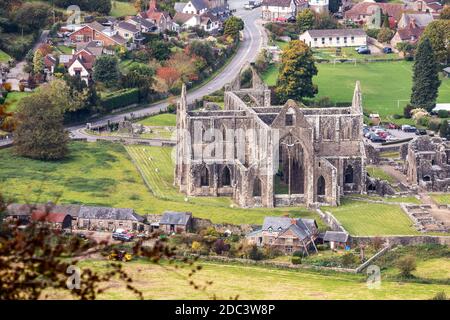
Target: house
{"x": 176, "y": 222}
{"x": 92, "y": 47}
{"x": 94, "y": 31}
{"x": 81, "y": 64}
{"x": 421, "y": 19}
{"x": 334, "y": 38}
{"x": 369, "y": 13}
{"x": 318, "y": 6}
{"x": 273, "y": 10}
{"x": 131, "y": 32}
{"x": 57, "y": 213}
{"x": 207, "y": 21}
{"x": 197, "y": 7}
{"x": 162, "y": 20}
{"x": 336, "y": 239}
{"x": 286, "y": 234}
{"x": 446, "y": 72}
{"x": 50, "y": 63}
{"x": 109, "y": 219}
{"x": 57, "y": 220}
{"x": 144, "y": 25}
{"x": 430, "y": 6}
{"x": 410, "y": 33}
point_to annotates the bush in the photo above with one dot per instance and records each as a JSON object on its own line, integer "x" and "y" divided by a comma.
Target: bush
{"x": 407, "y": 111}
{"x": 349, "y": 259}
{"x": 373, "y": 33}
{"x": 434, "y": 125}
{"x": 270, "y": 252}
{"x": 7, "y": 86}
{"x": 397, "y": 116}
{"x": 296, "y": 260}
{"x": 255, "y": 253}
{"x": 171, "y": 108}
{"x": 297, "y": 254}
{"x": 443, "y": 114}
{"x": 407, "y": 264}
{"x": 440, "y": 296}
{"x": 216, "y": 99}
{"x": 120, "y": 99}
{"x": 322, "y": 247}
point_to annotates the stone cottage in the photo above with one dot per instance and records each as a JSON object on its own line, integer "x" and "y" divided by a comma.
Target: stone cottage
{"x": 177, "y": 222}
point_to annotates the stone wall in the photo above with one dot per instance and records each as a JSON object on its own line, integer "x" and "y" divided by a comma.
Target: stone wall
{"x": 402, "y": 240}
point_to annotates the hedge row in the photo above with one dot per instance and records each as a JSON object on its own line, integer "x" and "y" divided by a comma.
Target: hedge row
{"x": 120, "y": 99}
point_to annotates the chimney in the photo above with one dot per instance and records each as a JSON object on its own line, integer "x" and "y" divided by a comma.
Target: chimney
{"x": 293, "y": 221}
{"x": 412, "y": 23}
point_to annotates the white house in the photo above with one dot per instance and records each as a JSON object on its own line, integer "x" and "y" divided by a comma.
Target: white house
{"x": 207, "y": 22}
{"x": 279, "y": 9}
{"x": 319, "y": 6}
{"x": 195, "y": 7}
{"x": 334, "y": 38}
{"x": 78, "y": 68}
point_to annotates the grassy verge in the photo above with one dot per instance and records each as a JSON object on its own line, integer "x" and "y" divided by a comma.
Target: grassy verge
{"x": 4, "y": 57}
{"x": 13, "y": 99}
{"x": 441, "y": 198}
{"x": 160, "y": 120}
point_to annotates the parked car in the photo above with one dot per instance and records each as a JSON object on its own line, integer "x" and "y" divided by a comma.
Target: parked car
{"x": 421, "y": 132}
{"x": 292, "y": 19}
{"x": 408, "y": 128}
{"x": 383, "y": 134}
{"x": 387, "y": 50}
{"x": 363, "y": 50}
{"x": 122, "y": 236}
{"x": 392, "y": 126}
{"x": 391, "y": 138}
{"x": 376, "y": 138}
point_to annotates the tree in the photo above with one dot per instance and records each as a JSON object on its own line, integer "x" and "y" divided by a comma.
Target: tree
{"x": 106, "y": 70}
{"x": 407, "y": 111}
{"x": 232, "y": 27}
{"x": 305, "y": 20}
{"x": 159, "y": 50}
{"x": 445, "y": 13}
{"x": 296, "y": 72}
{"x": 385, "y": 35}
{"x": 169, "y": 75}
{"x": 325, "y": 21}
{"x": 40, "y": 133}
{"x": 425, "y": 77}
{"x": 444, "y": 129}
{"x": 38, "y": 62}
{"x": 138, "y": 5}
{"x": 32, "y": 16}
{"x": 406, "y": 264}
{"x": 438, "y": 32}
{"x": 406, "y": 47}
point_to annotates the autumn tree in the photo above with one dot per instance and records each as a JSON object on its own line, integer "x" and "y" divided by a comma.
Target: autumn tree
{"x": 305, "y": 20}
{"x": 40, "y": 133}
{"x": 296, "y": 73}
{"x": 168, "y": 75}
{"x": 38, "y": 62}
{"x": 425, "y": 77}
{"x": 445, "y": 13}
{"x": 232, "y": 27}
{"x": 385, "y": 35}
{"x": 185, "y": 65}
{"x": 438, "y": 32}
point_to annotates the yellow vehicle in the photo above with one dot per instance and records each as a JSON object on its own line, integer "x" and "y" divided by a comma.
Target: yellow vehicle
{"x": 120, "y": 256}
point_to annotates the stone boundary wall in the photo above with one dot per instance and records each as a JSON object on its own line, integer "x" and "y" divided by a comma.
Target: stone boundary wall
{"x": 331, "y": 221}
{"x": 401, "y": 240}
{"x": 371, "y": 259}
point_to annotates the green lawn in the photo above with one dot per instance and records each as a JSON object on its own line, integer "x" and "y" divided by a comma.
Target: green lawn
{"x": 103, "y": 174}
{"x": 4, "y": 57}
{"x": 378, "y": 173}
{"x": 372, "y": 219}
{"x": 442, "y": 198}
{"x": 251, "y": 282}
{"x": 13, "y": 99}
{"x": 160, "y": 120}
{"x": 383, "y": 84}
{"x": 64, "y": 49}
{"x": 121, "y": 9}
{"x": 409, "y": 199}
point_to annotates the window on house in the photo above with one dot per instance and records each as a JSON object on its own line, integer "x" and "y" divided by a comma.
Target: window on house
{"x": 345, "y": 39}
{"x": 315, "y": 39}
{"x": 323, "y": 40}
{"x": 353, "y": 39}
{"x": 330, "y": 39}
{"x": 337, "y": 39}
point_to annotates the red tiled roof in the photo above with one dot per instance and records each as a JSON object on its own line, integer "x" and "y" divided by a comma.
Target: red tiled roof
{"x": 367, "y": 8}
{"x": 48, "y": 217}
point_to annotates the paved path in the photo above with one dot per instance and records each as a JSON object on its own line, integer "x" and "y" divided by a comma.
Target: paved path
{"x": 254, "y": 36}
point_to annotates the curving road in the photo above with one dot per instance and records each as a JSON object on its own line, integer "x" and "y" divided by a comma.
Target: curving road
{"x": 254, "y": 38}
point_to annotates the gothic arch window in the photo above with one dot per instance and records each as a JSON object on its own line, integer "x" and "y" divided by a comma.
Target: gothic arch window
{"x": 348, "y": 175}
{"x": 372, "y": 187}
{"x": 327, "y": 134}
{"x": 226, "y": 177}
{"x": 426, "y": 178}
{"x": 290, "y": 118}
{"x": 257, "y": 187}
{"x": 204, "y": 177}
{"x": 321, "y": 186}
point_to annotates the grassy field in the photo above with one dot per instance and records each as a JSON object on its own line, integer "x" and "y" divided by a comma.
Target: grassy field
{"x": 383, "y": 84}
{"x": 378, "y": 173}
{"x": 13, "y": 99}
{"x": 121, "y": 9}
{"x": 160, "y": 120}
{"x": 442, "y": 198}
{"x": 252, "y": 282}
{"x": 409, "y": 199}
{"x": 4, "y": 57}
{"x": 372, "y": 219}
{"x": 103, "y": 174}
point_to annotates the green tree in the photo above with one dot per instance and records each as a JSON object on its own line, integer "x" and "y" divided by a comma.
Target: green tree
{"x": 406, "y": 264}
{"x": 296, "y": 73}
{"x": 425, "y": 77}
{"x": 232, "y": 27}
{"x": 32, "y": 16}
{"x": 40, "y": 133}
{"x": 444, "y": 129}
{"x": 438, "y": 32}
{"x": 385, "y": 35}
{"x": 445, "y": 13}
{"x": 325, "y": 21}
{"x": 38, "y": 62}
{"x": 106, "y": 70}
{"x": 305, "y": 20}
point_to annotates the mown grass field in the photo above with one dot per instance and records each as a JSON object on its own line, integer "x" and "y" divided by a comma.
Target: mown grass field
{"x": 376, "y": 172}
{"x": 441, "y": 198}
{"x": 372, "y": 219}
{"x": 103, "y": 174}
{"x": 253, "y": 282}
{"x": 4, "y": 57}
{"x": 160, "y": 120}
{"x": 122, "y": 8}
{"x": 386, "y": 86}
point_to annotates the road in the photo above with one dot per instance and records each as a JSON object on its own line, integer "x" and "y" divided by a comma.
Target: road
{"x": 254, "y": 37}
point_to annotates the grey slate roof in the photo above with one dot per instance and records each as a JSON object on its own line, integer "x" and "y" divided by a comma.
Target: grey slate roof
{"x": 199, "y": 4}
{"x": 179, "y": 6}
{"x": 176, "y": 218}
{"x": 315, "y": 33}
{"x": 106, "y": 213}
{"x": 127, "y": 26}
{"x": 26, "y": 209}
{"x": 336, "y": 236}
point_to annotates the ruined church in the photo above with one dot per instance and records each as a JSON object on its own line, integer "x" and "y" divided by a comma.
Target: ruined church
{"x": 264, "y": 155}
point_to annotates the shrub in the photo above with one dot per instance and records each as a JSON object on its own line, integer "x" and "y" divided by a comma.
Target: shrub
{"x": 407, "y": 264}
{"x": 171, "y": 108}
{"x": 270, "y": 252}
{"x": 7, "y": 86}
{"x": 377, "y": 243}
{"x": 407, "y": 111}
{"x": 297, "y": 254}
{"x": 220, "y": 246}
{"x": 196, "y": 246}
{"x": 296, "y": 260}
{"x": 397, "y": 116}
{"x": 322, "y": 247}
{"x": 120, "y": 99}
{"x": 349, "y": 259}
{"x": 255, "y": 253}
{"x": 440, "y": 296}
{"x": 373, "y": 33}
{"x": 443, "y": 114}
{"x": 434, "y": 125}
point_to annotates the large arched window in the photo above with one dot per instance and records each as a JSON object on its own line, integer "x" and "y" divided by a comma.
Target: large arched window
{"x": 204, "y": 177}
{"x": 348, "y": 175}
{"x": 257, "y": 187}
{"x": 226, "y": 177}
{"x": 321, "y": 186}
